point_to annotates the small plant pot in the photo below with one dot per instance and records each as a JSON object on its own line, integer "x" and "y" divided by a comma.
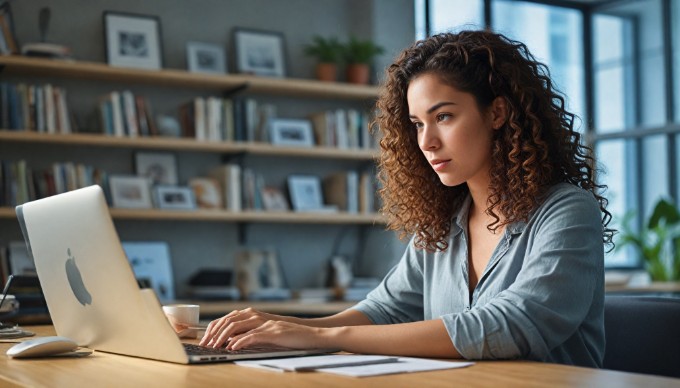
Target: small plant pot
{"x": 358, "y": 73}
{"x": 326, "y": 72}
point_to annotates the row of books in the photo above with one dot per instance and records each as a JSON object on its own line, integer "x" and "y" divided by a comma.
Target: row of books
{"x": 126, "y": 114}
{"x": 44, "y": 109}
{"x": 40, "y": 108}
{"x": 226, "y": 119}
{"x": 245, "y": 189}
{"x": 19, "y": 183}
{"x": 343, "y": 128}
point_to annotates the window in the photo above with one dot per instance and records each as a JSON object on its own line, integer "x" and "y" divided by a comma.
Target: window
{"x": 554, "y": 36}
{"x": 635, "y": 136}
{"x": 448, "y": 15}
{"x": 630, "y": 112}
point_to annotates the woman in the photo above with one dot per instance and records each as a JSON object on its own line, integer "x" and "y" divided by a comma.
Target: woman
{"x": 481, "y": 165}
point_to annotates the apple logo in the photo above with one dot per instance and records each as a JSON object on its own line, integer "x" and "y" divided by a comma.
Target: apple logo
{"x": 76, "y": 280}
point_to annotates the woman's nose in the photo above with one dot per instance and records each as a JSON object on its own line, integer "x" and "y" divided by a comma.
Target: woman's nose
{"x": 428, "y": 139}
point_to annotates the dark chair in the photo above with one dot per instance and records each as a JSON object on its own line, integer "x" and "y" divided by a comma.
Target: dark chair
{"x": 643, "y": 334}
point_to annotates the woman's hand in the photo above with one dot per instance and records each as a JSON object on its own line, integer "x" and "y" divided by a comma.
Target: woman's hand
{"x": 236, "y": 322}
{"x": 280, "y": 333}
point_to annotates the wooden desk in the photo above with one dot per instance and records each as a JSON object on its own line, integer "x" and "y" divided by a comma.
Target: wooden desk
{"x": 104, "y": 370}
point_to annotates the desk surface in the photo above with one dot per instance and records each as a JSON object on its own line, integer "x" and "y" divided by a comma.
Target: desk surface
{"x": 103, "y": 369}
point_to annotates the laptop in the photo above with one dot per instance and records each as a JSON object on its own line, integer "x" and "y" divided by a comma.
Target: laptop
{"x": 91, "y": 291}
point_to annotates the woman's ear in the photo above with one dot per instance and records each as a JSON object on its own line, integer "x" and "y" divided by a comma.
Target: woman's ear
{"x": 499, "y": 112}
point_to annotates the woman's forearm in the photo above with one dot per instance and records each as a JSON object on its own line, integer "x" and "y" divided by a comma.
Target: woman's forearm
{"x": 345, "y": 318}
{"x": 420, "y": 339}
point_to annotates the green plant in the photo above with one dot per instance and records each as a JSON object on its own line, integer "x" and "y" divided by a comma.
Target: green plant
{"x": 326, "y": 50}
{"x": 361, "y": 51}
{"x": 658, "y": 241}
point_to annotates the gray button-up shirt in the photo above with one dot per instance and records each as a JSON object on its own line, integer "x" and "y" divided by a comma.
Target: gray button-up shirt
{"x": 541, "y": 296}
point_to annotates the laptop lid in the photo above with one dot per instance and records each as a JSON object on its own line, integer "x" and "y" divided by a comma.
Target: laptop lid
{"x": 90, "y": 288}
{"x": 91, "y": 291}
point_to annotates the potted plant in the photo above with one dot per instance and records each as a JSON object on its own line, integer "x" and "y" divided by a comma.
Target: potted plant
{"x": 658, "y": 241}
{"x": 359, "y": 54}
{"x": 328, "y": 53}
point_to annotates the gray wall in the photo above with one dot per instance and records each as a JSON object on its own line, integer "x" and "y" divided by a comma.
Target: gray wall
{"x": 303, "y": 249}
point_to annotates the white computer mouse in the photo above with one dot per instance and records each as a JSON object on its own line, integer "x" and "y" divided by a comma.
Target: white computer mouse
{"x": 42, "y": 347}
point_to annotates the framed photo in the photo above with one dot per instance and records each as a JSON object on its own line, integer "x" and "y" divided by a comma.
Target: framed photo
{"x": 205, "y": 58}
{"x": 11, "y": 45}
{"x": 150, "y": 262}
{"x": 305, "y": 192}
{"x": 159, "y": 167}
{"x": 274, "y": 200}
{"x": 207, "y": 193}
{"x": 133, "y": 40}
{"x": 130, "y": 192}
{"x": 259, "y": 52}
{"x": 290, "y": 132}
{"x": 174, "y": 197}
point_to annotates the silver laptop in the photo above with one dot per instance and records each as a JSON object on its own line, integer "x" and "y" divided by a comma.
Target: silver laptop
{"x": 90, "y": 288}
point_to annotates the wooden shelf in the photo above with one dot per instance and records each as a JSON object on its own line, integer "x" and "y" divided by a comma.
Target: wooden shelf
{"x": 226, "y": 216}
{"x": 180, "y": 78}
{"x": 180, "y": 144}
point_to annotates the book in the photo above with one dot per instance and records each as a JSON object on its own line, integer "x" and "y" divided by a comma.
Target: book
{"x": 229, "y": 178}
{"x": 342, "y": 189}
{"x": 228, "y": 120}
{"x": 50, "y": 109}
{"x": 130, "y": 113}
{"x": 367, "y": 192}
{"x": 117, "y": 114}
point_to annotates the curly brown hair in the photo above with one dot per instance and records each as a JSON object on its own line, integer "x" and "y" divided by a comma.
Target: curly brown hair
{"x": 536, "y": 148}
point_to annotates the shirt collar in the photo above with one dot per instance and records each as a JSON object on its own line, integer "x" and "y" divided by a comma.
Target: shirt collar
{"x": 460, "y": 220}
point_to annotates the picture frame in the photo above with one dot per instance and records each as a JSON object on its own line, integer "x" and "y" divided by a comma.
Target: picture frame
{"x": 159, "y": 167}
{"x": 133, "y": 40}
{"x": 206, "y": 58}
{"x": 150, "y": 261}
{"x": 174, "y": 197}
{"x": 9, "y": 44}
{"x": 207, "y": 193}
{"x": 292, "y": 132}
{"x": 274, "y": 200}
{"x": 259, "y": 52}
{"x": 305, "y": 192}
{"x": 131, "y": 192}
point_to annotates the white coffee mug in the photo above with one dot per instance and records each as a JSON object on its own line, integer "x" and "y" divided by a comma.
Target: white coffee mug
{"x": 183, "y": 315}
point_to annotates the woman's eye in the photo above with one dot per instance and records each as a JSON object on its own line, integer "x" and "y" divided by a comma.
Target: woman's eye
{"x": 417, "y": 125}
{"x": 443, "y": 116}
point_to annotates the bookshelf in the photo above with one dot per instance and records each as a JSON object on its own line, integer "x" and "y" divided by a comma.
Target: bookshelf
{"x": 183, "y": 144}
{"x": 169, "y": 78}
{"x": 17, "y": 65}
{"x": 226, "y": 216}
{"x": 246, "y": 222}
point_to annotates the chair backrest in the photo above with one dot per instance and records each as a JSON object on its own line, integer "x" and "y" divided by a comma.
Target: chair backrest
{"x": 642, "y": 334}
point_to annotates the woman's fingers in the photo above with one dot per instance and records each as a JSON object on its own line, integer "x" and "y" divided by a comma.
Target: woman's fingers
{"x": 235, "y": 328}
{"x": 214, "y": 327}
{"x": 220, "y": 330}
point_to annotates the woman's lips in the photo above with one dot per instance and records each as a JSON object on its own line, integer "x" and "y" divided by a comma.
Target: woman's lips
{"x": 439, "y": 164}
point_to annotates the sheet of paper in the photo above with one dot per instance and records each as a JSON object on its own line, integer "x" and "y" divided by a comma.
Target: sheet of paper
{"x": 315, "y": 362}
{"x": 403, "y": 365}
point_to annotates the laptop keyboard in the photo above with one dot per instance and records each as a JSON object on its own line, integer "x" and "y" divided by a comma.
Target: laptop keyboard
{"x": 196, "y": 350}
